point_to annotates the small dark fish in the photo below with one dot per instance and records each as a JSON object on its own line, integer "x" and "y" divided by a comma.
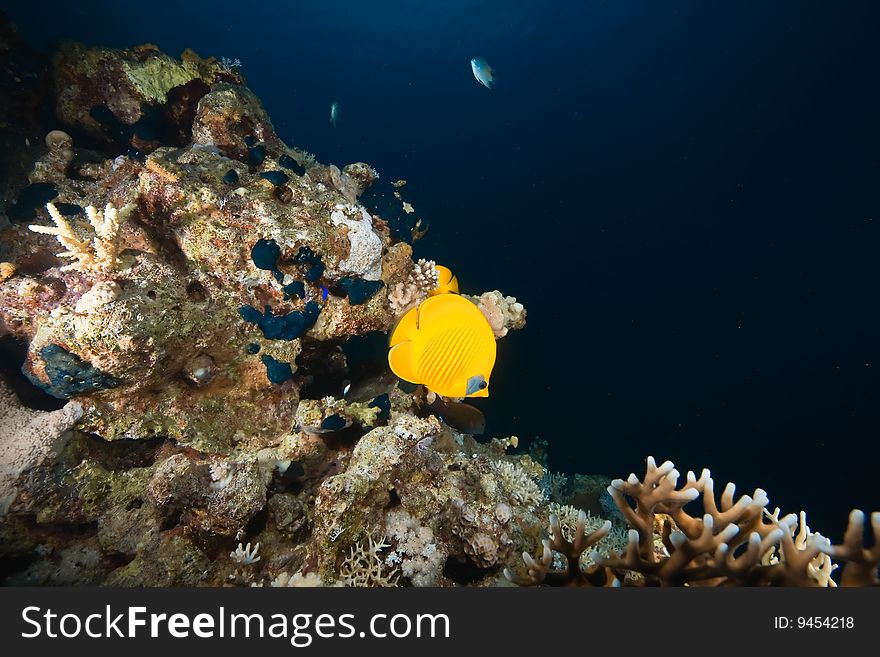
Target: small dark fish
{"x": 68, "y": 209}
{"x": 231, "y": 177}
{"x": 256, "y": 155}
{"x": 289, "y": 163}
{"x": 330, "y": 424}
{"x": 383, "y": 403}
{"x": 275, "y": 177}
{"x": 31, "y": 198}
{"x": 370, "y": 388}
{"x": 334, "y": 422}
{"x": 459, "y": 415}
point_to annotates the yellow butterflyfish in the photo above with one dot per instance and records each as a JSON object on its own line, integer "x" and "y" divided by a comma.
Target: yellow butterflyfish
{"x": 446, "y": 281}
{"x": 445, "y": 344}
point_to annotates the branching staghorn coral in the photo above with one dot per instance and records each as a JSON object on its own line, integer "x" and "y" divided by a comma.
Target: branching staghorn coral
{"x": 245, "y": 554}
{"x": 862, "y": 563}
{"x": 569, "y": 517}
{"x": 99, "y": 255}
{"x": 821, "y": 567}
{"x": 725, "y": 546}
{"x": 734, "y": 542}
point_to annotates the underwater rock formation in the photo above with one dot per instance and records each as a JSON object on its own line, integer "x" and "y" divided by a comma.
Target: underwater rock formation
{"x": 187, "y": 279}
{"x": 168, "y": 272}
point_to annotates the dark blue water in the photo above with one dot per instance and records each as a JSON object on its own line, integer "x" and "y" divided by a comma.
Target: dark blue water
{"x": 683, "y": 194}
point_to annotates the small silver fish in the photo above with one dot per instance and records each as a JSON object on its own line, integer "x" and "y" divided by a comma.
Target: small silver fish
{"x": 334, "y": 112}
{"x": 483, "y": 72}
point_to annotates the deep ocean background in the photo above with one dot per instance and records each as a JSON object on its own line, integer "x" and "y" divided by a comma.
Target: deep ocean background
{"x": 683, "y": 194}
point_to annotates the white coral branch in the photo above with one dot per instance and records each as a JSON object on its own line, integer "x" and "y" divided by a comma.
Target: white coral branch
{"x": 102, "y": 252}
{"x": 245, "y": 555}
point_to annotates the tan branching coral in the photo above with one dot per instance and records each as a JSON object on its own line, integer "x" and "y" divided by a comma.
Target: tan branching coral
{"x": 542, "y": 571}
{"x": 365, "y": 565}
{"x": 821, "y": 567}
{"x": 725, "y": 546}
{"x": 734, "y": 541}
{"x": 569, "y": 516}
{"x": 862, "y": 563}
{"x": 101, "y": 254}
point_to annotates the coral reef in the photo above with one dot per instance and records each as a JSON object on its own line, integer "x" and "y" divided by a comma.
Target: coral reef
{"x": 185, "y": 405}
{"x": 736, "y": 542}
{"x": 194, "y": 325}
